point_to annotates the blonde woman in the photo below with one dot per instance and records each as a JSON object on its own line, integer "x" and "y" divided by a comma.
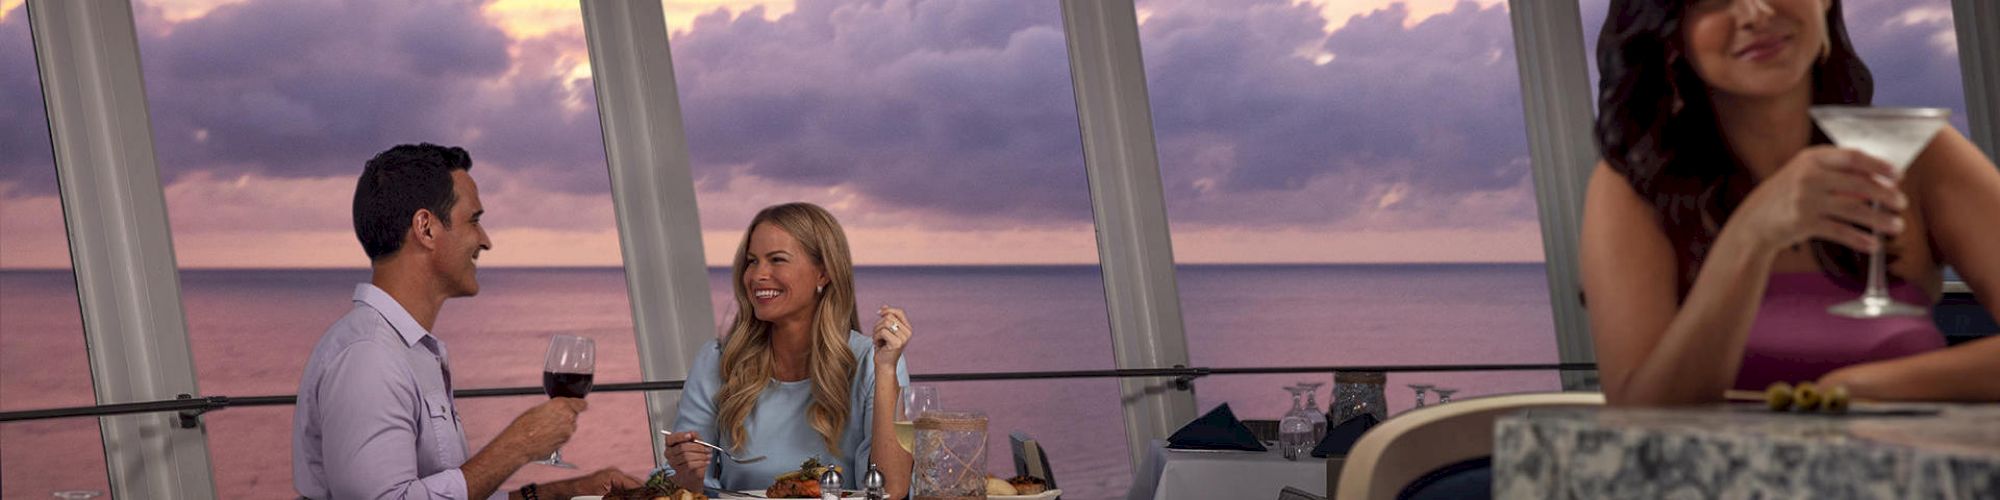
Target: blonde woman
{"x": 794, "y": 378}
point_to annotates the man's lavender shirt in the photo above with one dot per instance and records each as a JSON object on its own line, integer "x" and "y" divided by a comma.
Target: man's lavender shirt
{"x": 375, "y": 417}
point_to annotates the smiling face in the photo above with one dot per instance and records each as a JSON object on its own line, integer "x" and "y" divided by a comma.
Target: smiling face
{"x": 1755, "y": 48}
{"x": 459, "y": 243}
{"x": 780, "y": 276}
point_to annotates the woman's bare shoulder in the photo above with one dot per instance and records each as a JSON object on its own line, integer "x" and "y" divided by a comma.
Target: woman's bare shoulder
{"x": 1951, "y": 163}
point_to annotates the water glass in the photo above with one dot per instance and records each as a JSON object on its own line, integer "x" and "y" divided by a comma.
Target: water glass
{"x": 1295, "y": 436}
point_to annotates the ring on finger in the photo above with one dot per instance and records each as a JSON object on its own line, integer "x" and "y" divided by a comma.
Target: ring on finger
{"x": 895, "y": 327}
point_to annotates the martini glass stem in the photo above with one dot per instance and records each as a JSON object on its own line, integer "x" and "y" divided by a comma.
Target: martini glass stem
{"x": 1877, "y": 293}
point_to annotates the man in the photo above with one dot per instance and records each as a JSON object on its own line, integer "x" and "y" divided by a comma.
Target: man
{"x": 375, "y": 418}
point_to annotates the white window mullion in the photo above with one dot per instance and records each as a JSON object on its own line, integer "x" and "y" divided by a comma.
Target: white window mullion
{"x": 1556, "y": 96}
{"x": 127, "y": 284}
{"x": 1133, "y": 246}
{"x": 652, "y": 187}
{"x": 1978, "y": 26}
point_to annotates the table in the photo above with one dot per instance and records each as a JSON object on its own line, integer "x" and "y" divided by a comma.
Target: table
{"x": 1187, "y": 475}
{"x": 1744, "y": 451}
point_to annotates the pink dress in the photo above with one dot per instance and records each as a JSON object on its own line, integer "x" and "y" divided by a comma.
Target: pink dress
{"x": 1794, "y": 339}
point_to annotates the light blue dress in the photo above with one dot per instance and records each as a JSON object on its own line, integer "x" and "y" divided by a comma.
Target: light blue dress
{"x": 780, "y": 426}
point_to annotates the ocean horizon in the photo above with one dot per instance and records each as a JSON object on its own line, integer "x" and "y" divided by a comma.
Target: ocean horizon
{"x": 250, "y": 331}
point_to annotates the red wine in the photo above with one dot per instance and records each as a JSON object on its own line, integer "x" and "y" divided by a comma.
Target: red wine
{"x": 566, "y": 385}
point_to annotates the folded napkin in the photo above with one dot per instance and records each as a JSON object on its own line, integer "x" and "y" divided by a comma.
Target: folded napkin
{"x": 1341, "y": 437}
{"x": 1217, "y": 430}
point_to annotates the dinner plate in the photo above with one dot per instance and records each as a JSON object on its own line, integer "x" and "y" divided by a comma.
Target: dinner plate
{"x": 1046, "y": 495}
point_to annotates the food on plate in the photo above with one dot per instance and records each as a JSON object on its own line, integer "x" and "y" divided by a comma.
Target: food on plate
{"x": 800, "y": 483}
{"x": 997, "y": 487}
{"x": 1028, "y": 485}
{"x": 657, "y": 487}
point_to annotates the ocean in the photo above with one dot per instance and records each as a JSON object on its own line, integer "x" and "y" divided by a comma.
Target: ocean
{"x": 251, "y": 331}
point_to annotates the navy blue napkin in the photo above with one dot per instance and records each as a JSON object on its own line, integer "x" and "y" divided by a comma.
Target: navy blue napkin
{"x": 1341, "y": 437}
{"x": 1217, "y": 430}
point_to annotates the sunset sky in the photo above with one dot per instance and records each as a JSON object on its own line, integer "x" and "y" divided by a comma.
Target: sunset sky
{"x": 939, "y": 131}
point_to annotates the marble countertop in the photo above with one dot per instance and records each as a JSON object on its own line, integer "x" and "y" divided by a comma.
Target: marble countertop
{"x": 1745, "y": 451}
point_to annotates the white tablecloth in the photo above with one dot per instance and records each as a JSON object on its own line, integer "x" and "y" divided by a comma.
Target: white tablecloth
{"x": 1187, "y": 475}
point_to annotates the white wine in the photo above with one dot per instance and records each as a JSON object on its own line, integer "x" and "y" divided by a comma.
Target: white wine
{"x": 906, "y": 435}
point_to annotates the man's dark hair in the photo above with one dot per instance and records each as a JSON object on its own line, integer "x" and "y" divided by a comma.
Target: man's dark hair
{"x": 398, "y": 182}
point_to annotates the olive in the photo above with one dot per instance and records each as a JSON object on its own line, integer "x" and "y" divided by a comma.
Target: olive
{"x": 1835, "y": 400}
{"x": 1778, "y": 396}
{"x": 1805, "y": 397}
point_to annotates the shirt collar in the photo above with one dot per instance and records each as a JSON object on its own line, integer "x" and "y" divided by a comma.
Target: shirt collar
{"x": 399, "y": 318}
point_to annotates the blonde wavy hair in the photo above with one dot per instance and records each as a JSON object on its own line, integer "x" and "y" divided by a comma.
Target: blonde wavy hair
{"x": 746, "y": 352}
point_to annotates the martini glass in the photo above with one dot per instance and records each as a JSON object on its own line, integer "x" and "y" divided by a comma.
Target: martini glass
{"x": 1895, "y": 136}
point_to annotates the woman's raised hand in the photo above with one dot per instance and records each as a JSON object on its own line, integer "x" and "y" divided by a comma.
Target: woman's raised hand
{"x": 892, "y": 332}
{"x": 1824, "y": 192}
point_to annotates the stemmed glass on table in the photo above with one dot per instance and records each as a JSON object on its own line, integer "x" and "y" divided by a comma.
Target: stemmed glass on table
{"x": 916, "y": 400}
{"x": 1895, "y": 136}
{"x": 567, "y": 374}
{"x": 1420, "y": 388}
{"x": 1295, "y": 430}
{"x": 1312, "y": 411}
{"x": 1444, "y": 394}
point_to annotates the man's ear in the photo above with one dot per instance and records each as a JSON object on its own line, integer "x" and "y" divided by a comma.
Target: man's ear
{"x": 424, "y": 228}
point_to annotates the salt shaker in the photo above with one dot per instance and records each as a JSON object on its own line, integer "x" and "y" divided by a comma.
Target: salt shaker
{"x": 829, "y": 484}
{"x": 872, "y": 484}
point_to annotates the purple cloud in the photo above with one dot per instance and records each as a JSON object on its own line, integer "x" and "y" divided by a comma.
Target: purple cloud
{"x": 312, "y": 88}
{"x": 960, "y": 109}
{"x": 1246, "y": 104}
{"x": 1910, "y": 67}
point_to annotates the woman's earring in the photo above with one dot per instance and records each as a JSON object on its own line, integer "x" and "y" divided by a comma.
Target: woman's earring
{"x": 818, "y": 289}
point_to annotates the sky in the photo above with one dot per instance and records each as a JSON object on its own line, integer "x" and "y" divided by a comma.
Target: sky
{"x": 939, "y": 131}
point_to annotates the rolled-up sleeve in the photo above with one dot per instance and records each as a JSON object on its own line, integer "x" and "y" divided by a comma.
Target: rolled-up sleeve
{"x": 368, "y": 400}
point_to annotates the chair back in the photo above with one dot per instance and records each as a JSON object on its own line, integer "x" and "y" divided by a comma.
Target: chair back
{"x": 1405, "y": 448}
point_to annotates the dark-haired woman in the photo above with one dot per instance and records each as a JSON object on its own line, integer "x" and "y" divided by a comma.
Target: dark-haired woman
{"x": 1721, "y": 224}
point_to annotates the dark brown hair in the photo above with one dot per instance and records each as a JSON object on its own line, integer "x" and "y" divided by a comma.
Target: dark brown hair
{"x": 1657, "y": 127}
{"x": 397, "y": 183}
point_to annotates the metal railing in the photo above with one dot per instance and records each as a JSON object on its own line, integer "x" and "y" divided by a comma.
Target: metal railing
{"x": 191, "y": 408}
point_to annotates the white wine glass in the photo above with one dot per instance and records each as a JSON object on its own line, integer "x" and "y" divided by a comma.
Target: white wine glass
{"x": 1895, "y": 136}
{"x": 917, "y": 399}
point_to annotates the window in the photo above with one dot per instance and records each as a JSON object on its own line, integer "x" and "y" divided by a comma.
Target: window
{"x": 263, "y": 113}
{"x": 43, "y": 363}
{"x": 1348, "y": 184}
{"x": 943, "y": 134}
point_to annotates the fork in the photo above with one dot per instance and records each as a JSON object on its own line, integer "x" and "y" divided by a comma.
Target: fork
{"x": 718, "y": 449}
